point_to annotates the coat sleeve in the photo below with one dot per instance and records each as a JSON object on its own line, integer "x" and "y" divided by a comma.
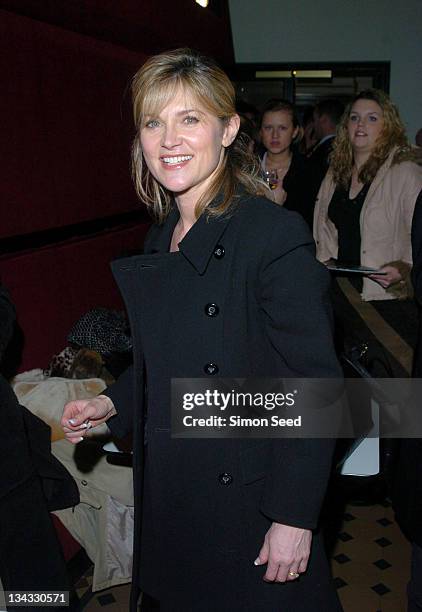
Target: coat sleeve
{"x": 298, "y": 322}
{"x": 409, "y": 177}
{"x": 417, "y": 249}
{"x": 121, "y": 394}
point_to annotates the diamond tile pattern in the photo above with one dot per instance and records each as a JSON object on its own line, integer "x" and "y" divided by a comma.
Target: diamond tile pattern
{"x": 380, "y": 589}
{"x": 368, "y": 577}
{"x": 382, "y": 564}
{"x": 106, "y": 600}
{"x": 342, "y": 558}
{"x": 383, "y": 542}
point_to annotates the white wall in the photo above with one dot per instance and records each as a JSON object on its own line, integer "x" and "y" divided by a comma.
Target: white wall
{"x": 338, "y": 30}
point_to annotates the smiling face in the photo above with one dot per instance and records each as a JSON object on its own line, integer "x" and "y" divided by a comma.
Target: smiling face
{"x": 278, "y": 131}
{"x": 183, "y": 145}
{"x": 365, "y": 125}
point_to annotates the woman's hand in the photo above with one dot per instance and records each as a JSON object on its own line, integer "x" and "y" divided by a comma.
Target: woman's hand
{"x": 286, "y": 552}
{"x": 391, "y": 276}
{"x": 81, "y": 415}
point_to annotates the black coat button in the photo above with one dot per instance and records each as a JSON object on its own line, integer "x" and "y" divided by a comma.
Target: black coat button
{"x": 211, "y": 310}
{"x": 225, "y": 479}
{"x": 211, "y": 368}
{"x": 219, "y": 252}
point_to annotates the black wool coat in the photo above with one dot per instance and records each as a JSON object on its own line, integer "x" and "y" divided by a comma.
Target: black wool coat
{"x": 407, "y": 493}
{"x": 197, "y": 534}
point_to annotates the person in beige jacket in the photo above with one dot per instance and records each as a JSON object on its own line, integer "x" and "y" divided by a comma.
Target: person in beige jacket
{"x": 371, "y": 149}
{"x": 363, "y": 217}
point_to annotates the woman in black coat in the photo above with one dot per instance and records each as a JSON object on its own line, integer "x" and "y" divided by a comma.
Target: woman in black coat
{"x": 228, "y": 286}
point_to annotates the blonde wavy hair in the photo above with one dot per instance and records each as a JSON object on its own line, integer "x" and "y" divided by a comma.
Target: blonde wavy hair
{"x": 153, "y": 87}
{"x": 393, "y": 135}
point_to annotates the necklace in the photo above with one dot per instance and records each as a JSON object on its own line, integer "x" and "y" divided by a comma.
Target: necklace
{"x": 280, "y": 169}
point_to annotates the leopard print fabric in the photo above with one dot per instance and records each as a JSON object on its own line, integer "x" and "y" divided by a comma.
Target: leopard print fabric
{"x": 61, "y": 364}
{"x": 78, "y": 364}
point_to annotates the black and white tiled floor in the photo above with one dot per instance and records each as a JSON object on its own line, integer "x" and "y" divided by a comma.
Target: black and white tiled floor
{"x": 370, "y": 565}
{"x": 371, "y": 561}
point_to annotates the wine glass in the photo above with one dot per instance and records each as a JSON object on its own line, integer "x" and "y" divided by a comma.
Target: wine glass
{"x": 271, "y": 178}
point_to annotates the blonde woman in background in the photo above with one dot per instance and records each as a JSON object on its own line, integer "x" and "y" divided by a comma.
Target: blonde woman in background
{"x": 363, "y": 217}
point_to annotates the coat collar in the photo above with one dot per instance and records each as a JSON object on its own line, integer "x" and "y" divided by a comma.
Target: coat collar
{"x": 199, "y": 243}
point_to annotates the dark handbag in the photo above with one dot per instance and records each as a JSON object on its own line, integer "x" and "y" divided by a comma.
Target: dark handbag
{"x": 355, "y": 363}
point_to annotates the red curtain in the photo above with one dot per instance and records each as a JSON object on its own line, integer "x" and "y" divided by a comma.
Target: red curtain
{"x": 66, "y": 126}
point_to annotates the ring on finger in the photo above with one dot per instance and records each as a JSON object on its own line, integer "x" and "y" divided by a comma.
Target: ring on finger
{"x": 294, "y": 574}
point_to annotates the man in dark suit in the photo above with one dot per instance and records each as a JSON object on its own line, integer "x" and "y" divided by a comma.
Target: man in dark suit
{"x": 327, "y": 115}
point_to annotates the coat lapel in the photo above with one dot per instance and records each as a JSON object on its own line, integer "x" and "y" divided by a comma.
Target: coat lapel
{"x": 199, "y": 243}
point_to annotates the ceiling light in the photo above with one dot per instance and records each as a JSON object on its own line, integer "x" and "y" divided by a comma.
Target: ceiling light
{"x": 313, "y": 74}
{"x": 273, "y": 74}
{"x": 203, "y": 3}
{"x": 299, "y": 74}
